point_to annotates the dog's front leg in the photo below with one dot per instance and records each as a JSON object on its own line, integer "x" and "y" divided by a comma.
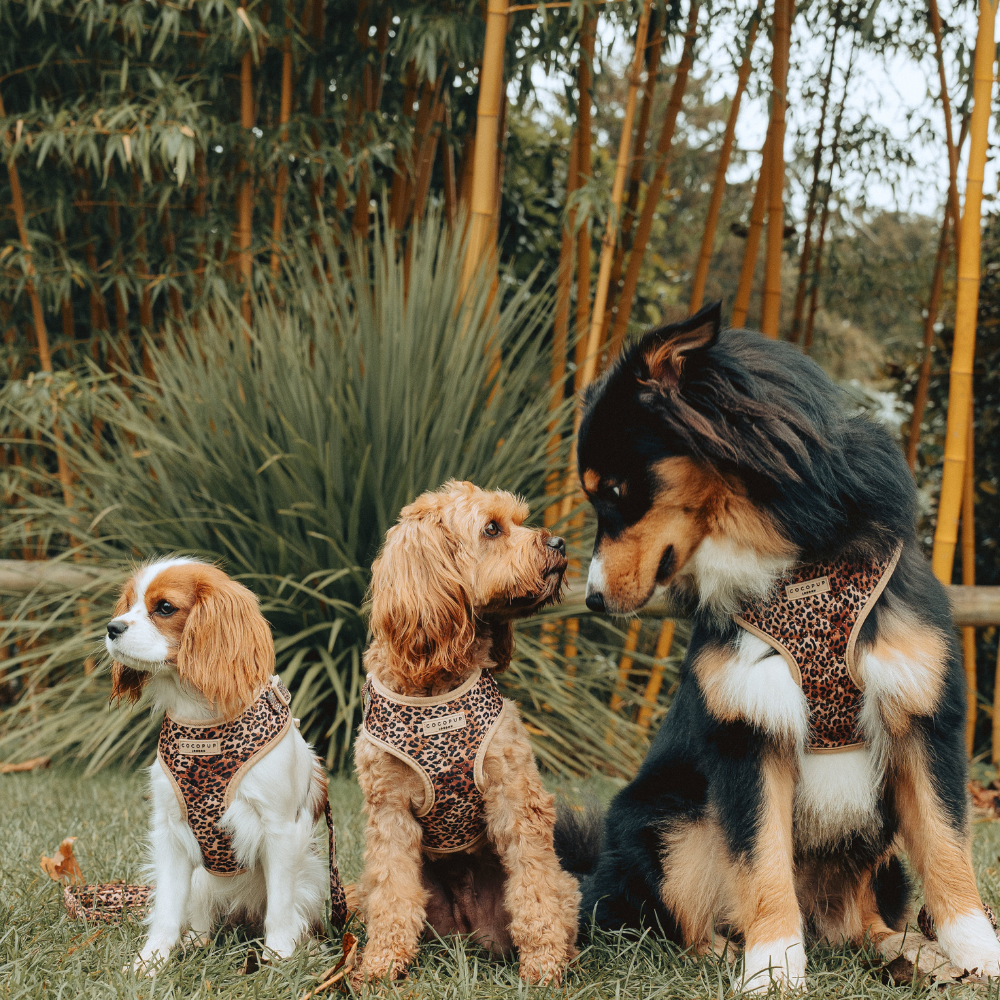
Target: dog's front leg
{"x": 758, "y": 824}
{"x": 393, "y": 899}
{"x": 287, "y": 843}
{"x": 939, "y": 843}
{"x": 543, "y": 901}
{"x": 174, "y": 851}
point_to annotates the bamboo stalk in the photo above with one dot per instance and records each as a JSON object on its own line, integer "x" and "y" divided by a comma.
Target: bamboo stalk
{"x": 817, "y": 164}
{"x": 995, "y": 744}
{"x": 825, "y": 215}
{"x": 741, "y": 305}
{"x": 624, "y": 669}
{"x": 428, "y": 133}
{"x": 784, "y": 11}
{"x": 719, "y": 184}
{"x": 397, "y": 194}
{"x": 37, "y": 314}
{"x": 121, "y": 302}
{"x": 487, "y": 122}
{"x": 655, "y": 189}
{"x": 951, "y": 215}
{"x": 284, "y": 113}
{"x": 652, "y": 692}
{"x": 373, "y": 98}
{"x": 969, "y": 580}
{"x": 588, "y": 36}
{"x": 244, "y": 197}
{"x": 654, "y": 49}
{"x": 318, "y": 29}
{"x": 448, "y": 167}
{"x": 967, "y": 303}
{"x": 610, "y": 240}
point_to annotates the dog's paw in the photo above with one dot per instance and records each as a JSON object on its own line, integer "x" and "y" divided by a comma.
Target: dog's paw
{"x": 148, "y": 962}
{"x": 971, "y": 944}
{"x": 542, "y": 966}
{"x": 375, "y": 966}
{"x": 782, "y": 961}
{"x": 279, "y": 946}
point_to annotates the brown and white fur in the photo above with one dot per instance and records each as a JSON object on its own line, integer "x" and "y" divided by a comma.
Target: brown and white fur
{"x": 454, "y": 572}
{"x": 194, "y": 640}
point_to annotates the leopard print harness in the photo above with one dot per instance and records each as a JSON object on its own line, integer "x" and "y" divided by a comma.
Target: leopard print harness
{"x": 205, "y": 762}
{"x": 812, "y": 617}
{"x": 444, "y": 739}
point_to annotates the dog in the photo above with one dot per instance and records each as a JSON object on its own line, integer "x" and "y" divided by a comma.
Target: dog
{"x": 459, "y": 834}
{"x": 236, "y": 789}
{"x": 818, "y": 726}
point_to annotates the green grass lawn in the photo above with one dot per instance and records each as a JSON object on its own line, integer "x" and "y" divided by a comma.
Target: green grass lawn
{"x": 45, "y": 954}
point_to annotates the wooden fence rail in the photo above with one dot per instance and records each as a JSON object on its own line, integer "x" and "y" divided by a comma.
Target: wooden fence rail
{"x": 970, "y": 606}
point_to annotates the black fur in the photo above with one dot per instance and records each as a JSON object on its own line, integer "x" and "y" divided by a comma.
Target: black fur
{"x": 834, "y": 482}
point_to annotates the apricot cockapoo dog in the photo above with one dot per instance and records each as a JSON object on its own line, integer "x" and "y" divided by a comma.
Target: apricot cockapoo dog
{"x": 460, "y": 829}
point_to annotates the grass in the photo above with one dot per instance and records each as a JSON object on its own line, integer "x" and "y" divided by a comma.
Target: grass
{"x": 44, "y": 953}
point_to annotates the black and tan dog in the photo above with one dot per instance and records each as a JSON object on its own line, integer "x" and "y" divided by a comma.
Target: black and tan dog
{"x": 818, "y": 726}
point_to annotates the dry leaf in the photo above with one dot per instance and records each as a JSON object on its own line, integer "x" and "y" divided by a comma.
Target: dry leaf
{"x": 127, "y": 144}
{"x": 985, "y": 801}
{"x": 26, "y": 765}
{"x": 337, "y": 973}
{"x": 188, "y": 131}
{"x": 242, "y": 15}
{"x": 63, "y": 866}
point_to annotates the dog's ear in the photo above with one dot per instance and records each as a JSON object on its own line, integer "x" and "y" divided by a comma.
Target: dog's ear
{"x": 666, "y": 350}
{"x": 126, "y": 682}
{"x": 226, "y": 650}
{"x": 421, "y": 608}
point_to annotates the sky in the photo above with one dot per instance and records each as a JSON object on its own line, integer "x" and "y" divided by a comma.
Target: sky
{"x": 889, "y": 91}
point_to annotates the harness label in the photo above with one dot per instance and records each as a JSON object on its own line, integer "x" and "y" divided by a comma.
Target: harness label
{"x": 199, "y": 748}
{"x": 444, "y": 724}
{"x": 807, "y": 588}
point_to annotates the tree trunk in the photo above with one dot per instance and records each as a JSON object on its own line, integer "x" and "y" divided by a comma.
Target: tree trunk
{"x": 610, "y": 240}
{"x": 284, "y": 114}
{"x": 784, "y": 11}
{"x": 655, "y": 189}
{"x": 719, "y": 185}
{"x": 966, "y": 305}
{"x": 817, "y": 164}
{"x": 484, "y": 179}
{"x": 741, "y": 305}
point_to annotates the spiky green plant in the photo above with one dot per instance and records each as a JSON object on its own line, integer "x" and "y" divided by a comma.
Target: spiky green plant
{"x": 286, "y": 451}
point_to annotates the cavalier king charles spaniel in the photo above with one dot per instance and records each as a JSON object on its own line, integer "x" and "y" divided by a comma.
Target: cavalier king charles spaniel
{"x": 196, "y": 642}
{"x": 459, "y": 834}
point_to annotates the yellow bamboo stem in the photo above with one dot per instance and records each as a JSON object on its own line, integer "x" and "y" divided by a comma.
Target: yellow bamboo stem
{"x": 654, "y": 48}
{"x": 967, "y": 303}
{"x": 484, "y": 179}
{"x": 719, "y": 185}
{"x": 742, "y": 303}
{"x": 655, "y": 189}
{"x": 284, "y": 114}
{"x": 969, "y": 580}
{"x": 610, "y": 240}
{"x": 652, "y": 692}
{"x": 625, "y": 666}
{"x": 588, "y": 36}
{"x": 771, "y": 311}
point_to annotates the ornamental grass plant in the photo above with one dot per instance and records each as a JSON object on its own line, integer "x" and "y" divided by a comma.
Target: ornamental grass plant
{"x": 285, "y": 450}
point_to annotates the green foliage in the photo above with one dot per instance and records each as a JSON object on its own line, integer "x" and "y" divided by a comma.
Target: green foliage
{"x": 286, "y": 451}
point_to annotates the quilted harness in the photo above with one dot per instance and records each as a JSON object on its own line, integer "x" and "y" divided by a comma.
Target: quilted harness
{"x": 812, "y": 617}
{"x": 205, "y": 763}
{"x": 444, "y": 739}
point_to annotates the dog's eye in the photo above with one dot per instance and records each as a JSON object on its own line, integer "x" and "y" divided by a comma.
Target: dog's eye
{"x": 492, "y": 529}
{"x": 164, "y": 608}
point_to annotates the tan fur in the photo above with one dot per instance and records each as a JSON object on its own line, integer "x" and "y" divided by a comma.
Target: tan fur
{"x": 710, "y": 667}
{"x": 444, "y": 596}
{"x": 766, "y": 906}
{"x": 692, "y": 501}
{"x": 225, "y": 649}
{"x": 941, "y": 855}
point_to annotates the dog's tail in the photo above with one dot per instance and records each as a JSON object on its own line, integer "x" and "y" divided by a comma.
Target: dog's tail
{"x": 579, "y": 833}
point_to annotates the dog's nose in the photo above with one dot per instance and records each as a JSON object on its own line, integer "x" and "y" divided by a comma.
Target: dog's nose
{"x": 557, "y": 543}
{"x": 595, "y": 602}
{"x": 116, "y": 628}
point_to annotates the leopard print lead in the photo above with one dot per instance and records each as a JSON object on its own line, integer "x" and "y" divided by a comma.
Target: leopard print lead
{"x": 444, "y": 740}
{"x": 812, "y": 618}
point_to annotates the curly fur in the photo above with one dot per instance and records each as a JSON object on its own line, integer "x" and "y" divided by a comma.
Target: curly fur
{"x": 445, "y": 592}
